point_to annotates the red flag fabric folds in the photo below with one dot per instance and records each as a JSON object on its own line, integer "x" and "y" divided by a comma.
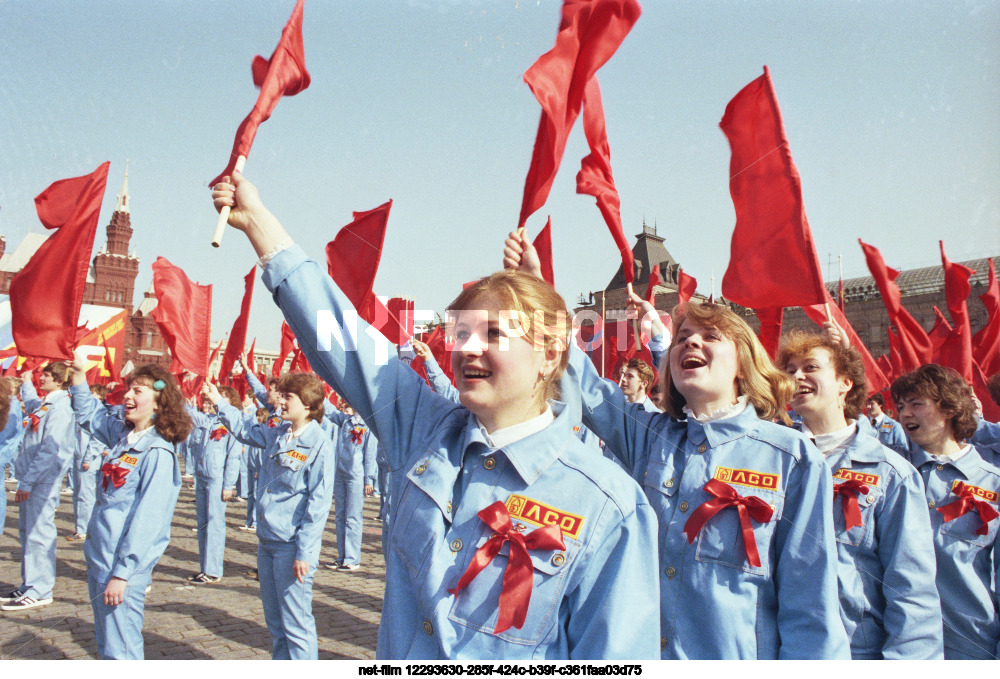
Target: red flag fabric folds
{"x": 183, "y": 314}
{"x": 773, "y": 259}
{"x": 956, "y": 351}
{"x": 590, "y": 32}
{"x": 401, "y": 311}
{"x": 877, "y": 381}
{"x": 595, "y": 177}
{"x": 940, "y": 332}
{"x": 238, "y": 335}
{"x": 915, "y": 345}
{"x": 654, "y": 280}
{"x": 435, "y": 342}
{"x": 109, "y": 364}
{"x": 45, "y": 296}
{"x": 770, "y": 328}
{"x": 686, "y": 286}
{"x": 283, "y": 75}
{"x": 287, "y": 346}
{"x": 543, "y": 246}
{"x": 251, "y": 364}
{"x": 986, "y": 342}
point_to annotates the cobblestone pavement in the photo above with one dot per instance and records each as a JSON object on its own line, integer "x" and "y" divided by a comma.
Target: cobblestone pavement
{"x": 221, "y": 620}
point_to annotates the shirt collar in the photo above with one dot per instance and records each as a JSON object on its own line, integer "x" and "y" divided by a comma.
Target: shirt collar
{"x": 722, "y": 413}
{"x": 967, "y": 461}
{"x": 829, "y": 444}
{"x": 134, "y": 436}
{"x": 531, "y": 454}
{"x": 507, "y": 435}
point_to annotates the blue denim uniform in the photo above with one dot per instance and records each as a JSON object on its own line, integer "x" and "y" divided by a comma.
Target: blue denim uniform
{"x": 253, "y": 469}
{"x": 47, "y": 451}
{"x": 294, "y": 493}
{"x": 10, "y": 442}
{"x": 967, "y": 562}
{"x": 89, "y": 451}
{"x": 888, "y": 597}
{"x": 713, "y": 602}
{"x": 594, "y": 599}
{"x": 216, "y": 466}
{"x": 890, "y": 434}
{"x": 355, "y": 469}
{"x": 259, "y": 391}
{"x": 130, "y": 527}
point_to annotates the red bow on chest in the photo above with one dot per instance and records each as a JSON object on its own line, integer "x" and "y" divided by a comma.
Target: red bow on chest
{"x": 518, "y": 577}
{"x": 34, "y": 419}
{"x": 217, "y": 434}
{"x": 848, "y": 492}
{"x": 748, "y": 507}
{"x": 273, "y": 422}
{"x": 115, "y": 473}
{"x": 966, "y": 504}
{"x": 357, "y": 434}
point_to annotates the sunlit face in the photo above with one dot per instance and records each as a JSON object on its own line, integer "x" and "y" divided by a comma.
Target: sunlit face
{"x": 140, "y": 404}
{"x": 632, "y": 385}
{"x": 292, "y": 408}
{"x": 873, "y": 409}
{"x": 273, "y": 395}
{"x": 818, "y": 390}
{"x": 207, "y": 407}
{"x": 46, "y": 383}
{"x": 704, "y": 366}
{"x": 925, "y": 422}
{"x": 497, "y": 369}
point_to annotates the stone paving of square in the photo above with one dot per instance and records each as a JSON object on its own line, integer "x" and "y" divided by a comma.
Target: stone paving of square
{"x": 220, "y": 620}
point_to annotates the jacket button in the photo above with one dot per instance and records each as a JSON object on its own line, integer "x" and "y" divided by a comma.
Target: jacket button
{"x": 448, "y": 508}
{"x": 702, "y": 448}
{"x": 420, "y": 470}
{"x": 489, "y": 462}
{"x": 558, "y": 559}
{"x": 871, "y": 498}
{"x": 663, "y": 643}
{"x": 428, "y": 628}
{"x": 684, "y": 506}
{"x": 456, "y": 545}
{"x": 931, "y": 504}
{"x": 669, "y": 483}
{"x": 670, "y": 572}
{"x": 940, "y": 467}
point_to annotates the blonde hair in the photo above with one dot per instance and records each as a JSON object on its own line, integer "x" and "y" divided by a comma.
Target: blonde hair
{"x": 767, "y": 388}
{"x": 540, "y": 310}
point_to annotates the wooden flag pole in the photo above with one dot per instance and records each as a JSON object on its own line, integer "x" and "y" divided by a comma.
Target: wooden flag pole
{"x": 826, "y": 307}
{"x": 220, "y": 226}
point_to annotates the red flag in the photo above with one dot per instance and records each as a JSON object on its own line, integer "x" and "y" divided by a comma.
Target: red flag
{"x": 401, "y": 311}
{"x": 250, "y": 365}
{"x": 991, "y": 411}
{"x": 215, "y": 352}
{"x": 595, "y": 177}
{"x": 45, "y": 296}
{"x": 956, "y": 352}
{"x": 986, "y": 342}
{"x": 914, "y": 343}
{"x": 109, "y": 364}
{"x": 771, "y": 234}
{"x": 686, "y": 286}
{"x": 885, "y": 365}
{"x": 352, "y": 259}
{"x": 770, "y": 328}
{"x": 654, "y": 280}
{"x": 283, "y": 75}
{"x": 299, "y": 362}
{"x": 543, "y": 245}
{"x": 190, "y": 385}
{"x": 238, "y": 335}
{"x": 183, "y": 314}
{"x": 589, "y": 34}
{"x": 442, "y": 354}
{"x": 287, "y": 346}
{"x": 873, "y": 375}
{"x": 940, "y": 332}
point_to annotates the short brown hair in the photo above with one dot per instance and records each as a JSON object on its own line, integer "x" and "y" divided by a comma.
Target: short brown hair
{"x": 646, "y": 373}
{"x": 172, "y": 421}
{"x": 58, "y": 372}
{"x": 309, "y": 390}
{"x": 993, "y": 386}
{"x": 99, "y": 390}
{"x": 766, "y": 387}
{"x": 231, "y": 395}
{"x": 846, "y": 361}
{"x": 945, "y": 387}
{"x": 878, "y": 398}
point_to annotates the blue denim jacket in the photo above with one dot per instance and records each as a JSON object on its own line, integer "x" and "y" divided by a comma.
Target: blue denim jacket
{"x": 594, "y": 599}
{"x": 130, "y": 527}
{"x": 47, "y": 449}
{"x": 888, "y": 595}
{"x": 214, "y": 457}
{"x": 967, "y": 563}
{"x": 890, "y": 434}
{"x": 713, "y": 602}
{"x": 354, "y": 460}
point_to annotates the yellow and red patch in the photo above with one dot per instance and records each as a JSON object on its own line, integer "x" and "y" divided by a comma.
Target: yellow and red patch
{"x": 852, "y": 475}
{"x": 747, "y": 477}
{"x": 128, "y": 459}
{"x": 981, "y": 493}
{"x": 296, "y": 455}
{"x": 534, "y": 512}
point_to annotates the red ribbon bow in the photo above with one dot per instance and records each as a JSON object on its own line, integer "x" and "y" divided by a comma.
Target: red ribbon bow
{"x": 272, "y": 422}
{"x": 848, "y": 491}
{"x": 518, "y": 577}
{"x": 114, "y": 472}
{"x": 356, "y": 435}
{"x": 217, "y": 434}
{"x": 966, "y": 504}
{"x": 748, "y": 507}
{"x": 34, "y": 419}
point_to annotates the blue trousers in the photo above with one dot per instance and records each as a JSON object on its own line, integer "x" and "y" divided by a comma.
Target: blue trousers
{"x": 37, "y": 530}
{"x": 84, "y": 494}
{"x": 383, "y": 490}
{"x": 211, "y": 515}
{"x": 287, "y": 602}
{"x": 118, "y": 629}
{"x": 251, "y": 499}
{"x": 243, "y": 483}
{"x": 349, "y": 504}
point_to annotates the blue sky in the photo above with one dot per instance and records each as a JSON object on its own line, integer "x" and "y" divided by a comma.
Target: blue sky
{"x": 892, "y": 110}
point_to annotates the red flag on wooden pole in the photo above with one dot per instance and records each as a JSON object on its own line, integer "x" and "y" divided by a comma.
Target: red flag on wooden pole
{"x": 183, "y": 314}
{"x": 543, "y": 246}
{"x": 286, "y": 347}
{"x": 654, "y": 280}
{"x": 956, "y": 352}
{"x": 986, "y": 342}
{"x": 686, "y": 286}
{"x": 46, "y": 295}
{"x": 238, "y": 334}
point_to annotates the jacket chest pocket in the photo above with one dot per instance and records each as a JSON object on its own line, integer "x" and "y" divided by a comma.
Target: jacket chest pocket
{"x": 477, "y": 605}
{"x": 289, "y": 470}
{"x": 660, "y": 485}
{"x": 964, "y": 529}
{"x": 856, "y": 535}
{"x": 423, "y": 513}
{"x": 721, "y": 538}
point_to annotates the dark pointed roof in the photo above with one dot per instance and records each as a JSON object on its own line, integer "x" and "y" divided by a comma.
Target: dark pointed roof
{"x": 648, "y": 252}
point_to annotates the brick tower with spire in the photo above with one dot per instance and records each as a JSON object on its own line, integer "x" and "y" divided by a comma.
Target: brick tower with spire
{"x": 111, "y": 279}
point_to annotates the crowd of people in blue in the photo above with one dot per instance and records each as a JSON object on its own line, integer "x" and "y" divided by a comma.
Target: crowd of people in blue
{"x": 532, "y": 509}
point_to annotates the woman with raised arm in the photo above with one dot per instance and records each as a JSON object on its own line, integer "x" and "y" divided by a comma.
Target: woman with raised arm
{"x": 509, "y": 539}
{"x": 747, "y": 558}
{"x": 888, "y": 598}
{"x": 139, "y": 484}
